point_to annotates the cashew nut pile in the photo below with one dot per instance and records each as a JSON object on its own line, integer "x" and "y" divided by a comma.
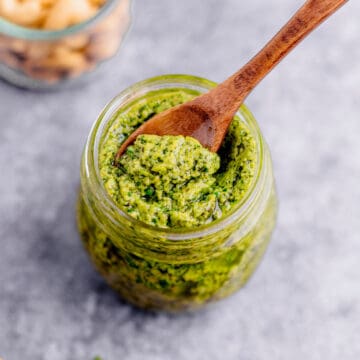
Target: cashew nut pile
{"x": 66, "y": 57}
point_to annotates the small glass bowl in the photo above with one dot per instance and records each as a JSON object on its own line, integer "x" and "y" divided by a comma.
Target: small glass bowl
{"x": 33, "y": 58}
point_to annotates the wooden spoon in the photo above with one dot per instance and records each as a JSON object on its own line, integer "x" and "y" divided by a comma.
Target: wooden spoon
{"x": 207, "y": 117}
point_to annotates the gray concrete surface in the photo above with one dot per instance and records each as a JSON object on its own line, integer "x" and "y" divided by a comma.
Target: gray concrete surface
{"x": 302, "y": 303}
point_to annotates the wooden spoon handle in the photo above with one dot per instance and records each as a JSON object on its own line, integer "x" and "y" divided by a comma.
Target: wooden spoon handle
{"x": 228, "y": 96}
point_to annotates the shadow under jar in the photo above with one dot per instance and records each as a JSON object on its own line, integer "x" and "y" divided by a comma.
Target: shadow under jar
{"x": 36, "y": 58}
{"x": 165, "y": 268}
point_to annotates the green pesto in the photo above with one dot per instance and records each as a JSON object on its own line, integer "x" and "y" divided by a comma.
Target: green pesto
{"x": 168, "y": 181}
{"x": 173, "y": 181}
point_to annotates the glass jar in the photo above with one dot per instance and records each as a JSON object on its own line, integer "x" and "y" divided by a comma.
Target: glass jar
{"x": 35, "y": 58}
{"x": 165, "y": 268}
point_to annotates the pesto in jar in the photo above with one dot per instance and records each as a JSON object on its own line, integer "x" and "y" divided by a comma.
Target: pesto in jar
{"x": 173, "y": 181}
{"x": 173, "y": 185}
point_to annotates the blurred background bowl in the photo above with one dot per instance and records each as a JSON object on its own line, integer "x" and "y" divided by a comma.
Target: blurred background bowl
{"x": 35, "y": 58}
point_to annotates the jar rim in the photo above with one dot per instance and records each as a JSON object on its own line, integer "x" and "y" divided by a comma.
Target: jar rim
{"x": 132, "y": 93}
{"x": 11, "y": 29}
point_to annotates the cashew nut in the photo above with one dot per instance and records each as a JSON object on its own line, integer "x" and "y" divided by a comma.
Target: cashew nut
{"x": 28, "y": 13}
{"x": 66, "y": 13}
